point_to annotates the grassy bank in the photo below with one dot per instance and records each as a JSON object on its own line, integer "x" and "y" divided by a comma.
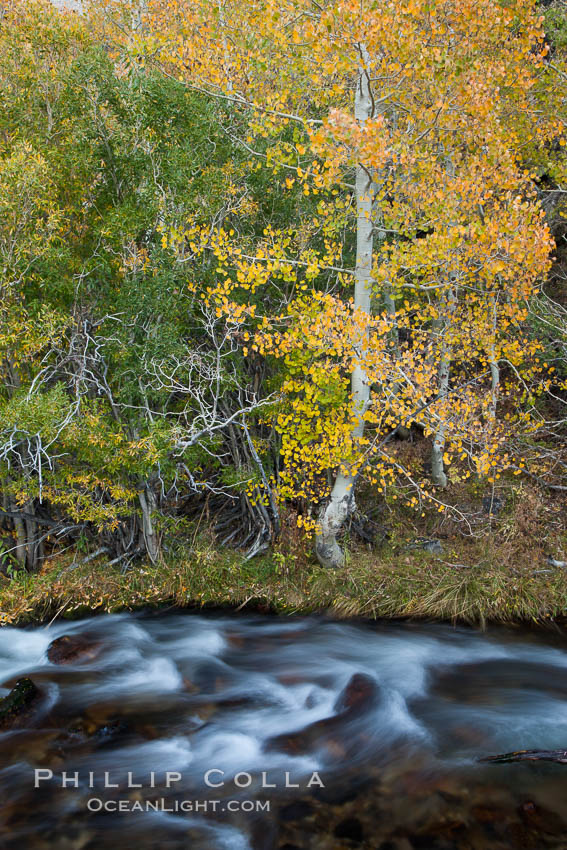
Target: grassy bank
{"x": 496, "y": 572}
{"x": 410, "y": 585}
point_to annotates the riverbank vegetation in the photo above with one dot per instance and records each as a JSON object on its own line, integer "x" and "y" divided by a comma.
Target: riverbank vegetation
{"x": 501, "y": 574}
{"x": 414, "y": 587}
{"x": 283, "y": 308}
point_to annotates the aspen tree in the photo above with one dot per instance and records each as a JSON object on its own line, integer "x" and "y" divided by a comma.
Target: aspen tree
{"x": 386, "y": 93}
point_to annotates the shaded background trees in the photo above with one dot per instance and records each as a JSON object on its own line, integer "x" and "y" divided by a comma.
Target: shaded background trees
{"x": 117, "y": 375}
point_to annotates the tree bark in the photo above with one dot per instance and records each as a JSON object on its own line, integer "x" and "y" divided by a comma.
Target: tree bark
{"x": 32, "y": 538}
{"x": 438, "y": 474}
{"x": 21, "y": 554}
{"x": 341, "y": 502}
{"x": 151, "y": 539}
{"x": 494, "y": 370}
{"x": 19, "y": 526}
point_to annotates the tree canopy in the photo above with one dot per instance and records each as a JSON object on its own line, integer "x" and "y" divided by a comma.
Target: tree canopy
{"x": 264, "y": 254}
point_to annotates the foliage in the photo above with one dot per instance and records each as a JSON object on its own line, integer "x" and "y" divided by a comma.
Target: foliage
{"x": 246, "y": 247}
{"x": 461, "y": 246}
{"x": 114, "y": 367}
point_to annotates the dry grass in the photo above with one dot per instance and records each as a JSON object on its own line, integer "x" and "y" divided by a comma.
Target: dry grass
{"x": 499, "y": 574}
{"x": 415, "y": 585}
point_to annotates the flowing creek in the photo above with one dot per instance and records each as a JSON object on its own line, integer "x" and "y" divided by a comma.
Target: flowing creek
{"x": 377, "y": 728}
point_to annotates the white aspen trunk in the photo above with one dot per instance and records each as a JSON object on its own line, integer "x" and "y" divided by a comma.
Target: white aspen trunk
{"x": 138, "y": 13}
{"x": 225, "y": 51}
{"x": 390, "y": 306}
{"x": 438, "y": 475}
{"x": 494, "y": 371}
{"x": 341, "y": 502}
{"x": 495, "y": 386}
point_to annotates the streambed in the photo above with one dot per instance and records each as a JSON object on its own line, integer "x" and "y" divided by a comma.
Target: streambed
{"x": 251, "y": 733}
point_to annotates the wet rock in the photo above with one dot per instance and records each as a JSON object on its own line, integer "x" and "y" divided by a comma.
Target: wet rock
{"x": 235, "y": 639}
{"x": 335, "y": 734}
{"x": 311, "y": 700}
{"x": 493, "y": 681}
{"x": 396, "y": 844}
{"x": 110, "y": 731}
{"x": 29, "y": 745}
{"x": 296, "y": 811}
{"x": 350, "y": 828}
{"x": 421, "y": 783}
{"x": 263, "y": 834}
{"x": 541, "y": 819}
{"x": 213, "y": 677}
{"x": 466, "y": 736}
{"x": 360, "y": 695}
{"x": 16, "y": 707}
{"x": 190, "y": 686}
{"x": 205, "y": 711}
{"x": 428, "y": 842}
{"x": 288, "y": 679}
{"x": 490, "y": 814}
{"x": 296, "y": 743}
{"x": 345, "y": 789}
{"x": 520, "y": 836}
{"x": 69, "y": 648}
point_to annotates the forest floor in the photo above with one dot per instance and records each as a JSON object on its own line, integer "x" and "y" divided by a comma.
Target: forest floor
{"x": 483, "y": 569}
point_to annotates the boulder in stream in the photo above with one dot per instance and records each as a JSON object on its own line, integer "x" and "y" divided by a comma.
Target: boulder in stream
{"x": 69, "y": 648}
{"x": 335, "y": 733}
{"x": 360, "y": 695}
{"x": 15, "y": 708}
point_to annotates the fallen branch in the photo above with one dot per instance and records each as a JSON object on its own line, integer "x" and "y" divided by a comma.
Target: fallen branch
{"x": 557, "y": 756}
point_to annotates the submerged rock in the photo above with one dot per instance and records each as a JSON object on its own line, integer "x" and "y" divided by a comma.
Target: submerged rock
{"x": 350, "y": 828}
{"x": 334, "y": 733}
{"x": 16, "y": 706}
{"x": 69, "y": 648}
{"x": 360, "y": 694}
